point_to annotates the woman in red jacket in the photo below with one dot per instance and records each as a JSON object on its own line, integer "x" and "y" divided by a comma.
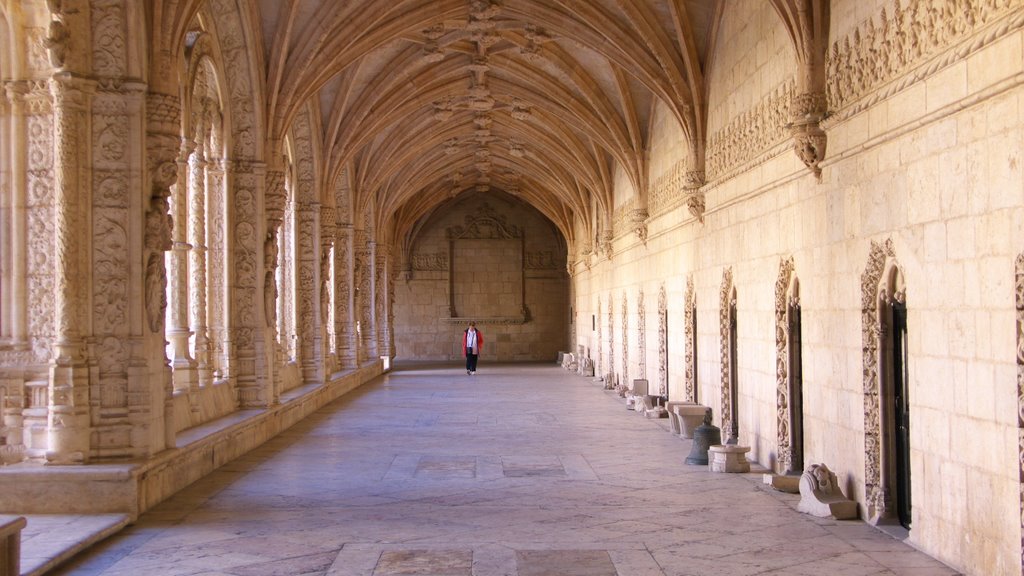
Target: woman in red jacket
{"x": 472, "y": 341}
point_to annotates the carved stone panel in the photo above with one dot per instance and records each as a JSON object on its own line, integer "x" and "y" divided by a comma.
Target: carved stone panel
{"x": 690, "y": 359}
{"x": 726, "y": 301}
{"x": 1019, "y": 300}
{"x": 782, "y": 372}
{"x": 662, "y": 341}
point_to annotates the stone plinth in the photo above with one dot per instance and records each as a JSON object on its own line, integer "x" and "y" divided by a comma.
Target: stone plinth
{"x": 673, "y": 417}
{"x": 820, "y": 495}
{"x": 690, "y": 416}
{"x": 728, "y": 458}
{"x": 10, "y": 545}
{"x": 790, "y": 484}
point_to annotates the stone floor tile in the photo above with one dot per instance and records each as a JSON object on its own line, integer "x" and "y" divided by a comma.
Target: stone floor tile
{"x": 417, "y": 473}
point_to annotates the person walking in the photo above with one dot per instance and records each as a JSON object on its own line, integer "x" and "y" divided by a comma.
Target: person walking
{"x": 472, "y": 341}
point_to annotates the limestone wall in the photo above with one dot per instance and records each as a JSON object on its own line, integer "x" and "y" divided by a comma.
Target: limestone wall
{"x": 922, "y": 174}
{"x": 491, "y": 259}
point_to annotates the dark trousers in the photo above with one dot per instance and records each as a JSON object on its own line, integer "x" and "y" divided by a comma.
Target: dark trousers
{"x": 471, "y": 361}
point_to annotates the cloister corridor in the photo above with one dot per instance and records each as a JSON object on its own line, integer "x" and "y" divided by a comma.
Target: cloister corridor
{"x": 521, "y": 469}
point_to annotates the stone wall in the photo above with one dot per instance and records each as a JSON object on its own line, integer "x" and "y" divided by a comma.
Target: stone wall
{"x": 491, "y": 259}
{"x": 923, "y": 175}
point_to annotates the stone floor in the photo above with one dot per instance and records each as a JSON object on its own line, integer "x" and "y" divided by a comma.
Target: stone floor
{"x": 518, "y": 470}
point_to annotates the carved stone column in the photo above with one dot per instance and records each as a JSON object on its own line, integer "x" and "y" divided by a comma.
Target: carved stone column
{"x": 197, "y": 285}
{"x": 328, "y": 229}
{"x": 274, "y": 204}
{"x": 364, "y": 261}
{"x": 344, "y": 324}
{"x": 14, "y": 316}
{"x": 245, "y": 180}
{"x": 68, "y": 425}
{"x": 381, "y": 303}
{"x": 162, "y": 114}
{"x": 178, "y": 333}
{"x": 310, "y": 340}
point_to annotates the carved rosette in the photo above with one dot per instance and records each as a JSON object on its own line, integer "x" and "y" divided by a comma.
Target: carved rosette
{"x": 726, "y": 302}
{"x": 876, "y": 495}
{"x": 690, "y": 302}
{"x": 662, "y": 341}
{"x": 783, "y": 417}
{"x": 1019, "y": 301}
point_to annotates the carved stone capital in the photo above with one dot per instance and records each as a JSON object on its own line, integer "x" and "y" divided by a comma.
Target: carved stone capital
{"x": 693, "y": 179}
{"x": 695, "y": 203}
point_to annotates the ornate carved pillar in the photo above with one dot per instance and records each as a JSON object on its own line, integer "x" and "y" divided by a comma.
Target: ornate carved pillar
{"x": 382, "y": 278}
{"x": 274, "y": 204}
{"x": 329, "y": 356}
{"x": 197, "y": 285}
{"x": 178, "y": 333}
{"x": 344, "y": 324}
{"x": 364, "y": 256}
{"x": 14, "y": 316}
{"x": 162, "y": 142}
{"x": 249, "y": 343}
{"x": 68, "y": 425}
{"x": 310, "y": 340}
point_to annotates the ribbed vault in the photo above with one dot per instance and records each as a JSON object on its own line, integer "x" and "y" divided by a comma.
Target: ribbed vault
{"x": 420, "y": 100}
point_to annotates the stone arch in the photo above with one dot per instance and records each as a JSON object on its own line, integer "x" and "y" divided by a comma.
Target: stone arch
{"x": 881, "y": 284}
{"x": 787, "y": 297}
{"x": 729, "y": 382}
{"x": 690, "y": 304}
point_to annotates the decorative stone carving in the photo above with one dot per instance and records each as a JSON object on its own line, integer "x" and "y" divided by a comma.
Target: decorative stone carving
{"x": 543, "y": 260}
{"x": 662, "y": 341}
{"x": 692, "y": 184}
{"x": 641, "y": 334}
{"x": 600, "y": 342}
{"x": 821, "y": 496}
{"x": 611, "y": 337}
{"x": 731, "y": 459}
{"x": 638, "y": 219}
{"x": 726, "y": 301}
{"x": 486, "y": 224}
{"x": 751, "y": 136}
{"x": 809, "y": 140}
{"x": 270, "y": 255}
{"x": 1019, "y": 301}
{"x": 690, "y": 357}
{"x": 625, "y": 337}
{"x": 783, "y": 419}
{"x": 877, "y": 497}
{"x": 908, "y": 44}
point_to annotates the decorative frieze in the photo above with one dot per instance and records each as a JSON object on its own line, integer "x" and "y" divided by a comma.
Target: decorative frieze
{"x": 436, "y": 262}
{"x": 908, "y": 42}
{"x": 751, "y": 134}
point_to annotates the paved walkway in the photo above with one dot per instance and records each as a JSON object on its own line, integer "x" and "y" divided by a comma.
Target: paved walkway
{"x": 518, "y": 470}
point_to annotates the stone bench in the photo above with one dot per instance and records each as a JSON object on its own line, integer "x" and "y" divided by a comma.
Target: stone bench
{"x": 10, "y": 544}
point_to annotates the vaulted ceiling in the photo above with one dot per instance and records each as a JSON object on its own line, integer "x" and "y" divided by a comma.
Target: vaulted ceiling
{"x": 420, "y": 100}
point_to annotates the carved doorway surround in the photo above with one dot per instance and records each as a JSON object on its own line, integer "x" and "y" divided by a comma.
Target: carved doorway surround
{"x": 690, "y": 306}
{"x": 729, "y": 359}
{"x": 788, "y": 371}
{"x": 662, "y": 341}
{"x": 1019, "y": 298}
{"x": 886, "y": 417}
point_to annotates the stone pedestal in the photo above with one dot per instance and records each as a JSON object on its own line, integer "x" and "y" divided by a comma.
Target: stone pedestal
{"x": 690, "y": 416}
{"x": 728, "y": 458}
{"x": 673, "y": 417}
{"x": 820, "y": 495}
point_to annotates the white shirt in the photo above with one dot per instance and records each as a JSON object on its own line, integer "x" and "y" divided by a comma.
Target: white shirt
{"x": 471, "y": 341}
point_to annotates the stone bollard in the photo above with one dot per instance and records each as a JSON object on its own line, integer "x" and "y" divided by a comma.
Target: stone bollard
{"x": 728, "y": 458}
